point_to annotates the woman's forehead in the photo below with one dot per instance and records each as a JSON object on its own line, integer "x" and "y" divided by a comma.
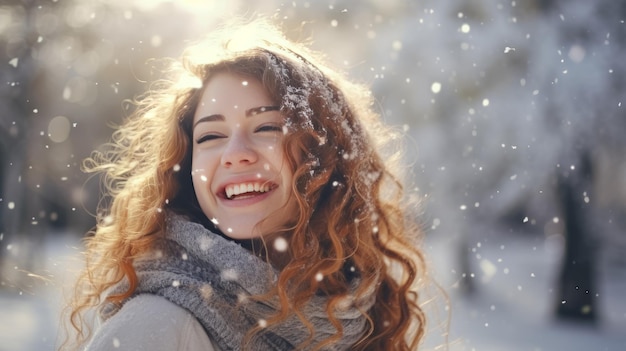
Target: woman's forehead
{"x": 233, "y": 89}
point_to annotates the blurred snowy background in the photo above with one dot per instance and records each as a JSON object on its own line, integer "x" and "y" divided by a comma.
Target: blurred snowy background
{"x": 516, "y": 140}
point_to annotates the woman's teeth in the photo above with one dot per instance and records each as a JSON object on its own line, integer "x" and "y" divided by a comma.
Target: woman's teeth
{"x": 238, "y": 189}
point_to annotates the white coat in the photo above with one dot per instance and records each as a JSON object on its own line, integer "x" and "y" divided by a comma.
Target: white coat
{"x": 151, "y": 323}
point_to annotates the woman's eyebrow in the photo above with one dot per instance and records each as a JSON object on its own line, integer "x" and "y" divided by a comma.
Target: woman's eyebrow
{"x": 210, "y": 118}
{"x": 256, "y": 110}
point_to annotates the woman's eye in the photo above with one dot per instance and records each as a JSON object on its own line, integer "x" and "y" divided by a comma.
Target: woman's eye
{"x": 207, "y": 137}
{"x": 270, "y": 128}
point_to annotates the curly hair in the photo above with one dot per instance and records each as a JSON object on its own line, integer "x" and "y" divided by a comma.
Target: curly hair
{"x": 352, "y": 216}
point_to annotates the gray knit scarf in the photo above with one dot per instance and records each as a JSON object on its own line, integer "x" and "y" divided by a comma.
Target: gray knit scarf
{"x": 212, "y": 277}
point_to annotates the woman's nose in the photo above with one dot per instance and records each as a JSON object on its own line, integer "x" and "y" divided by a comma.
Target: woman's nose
{"x": 239, "y": 151}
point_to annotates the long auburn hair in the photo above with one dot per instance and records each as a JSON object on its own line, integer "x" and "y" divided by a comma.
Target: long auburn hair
{"x": 351, "y": 216}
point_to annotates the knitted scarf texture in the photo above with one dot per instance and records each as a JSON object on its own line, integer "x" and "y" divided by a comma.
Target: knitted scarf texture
{"x": 213, "y": 277}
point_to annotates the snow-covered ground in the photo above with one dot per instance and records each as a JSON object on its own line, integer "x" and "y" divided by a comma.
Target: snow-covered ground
{"x": 511, "y": 309}
{"x": 31, "y": 307}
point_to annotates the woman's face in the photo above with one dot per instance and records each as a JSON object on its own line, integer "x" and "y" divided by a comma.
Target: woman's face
{"x": 240, "y": 175}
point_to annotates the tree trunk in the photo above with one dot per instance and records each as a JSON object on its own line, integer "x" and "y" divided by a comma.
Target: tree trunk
{"x": 577, "y": 290}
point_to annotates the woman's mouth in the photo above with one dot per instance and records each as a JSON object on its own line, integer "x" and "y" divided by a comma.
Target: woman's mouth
{"x": 247, "y": 190}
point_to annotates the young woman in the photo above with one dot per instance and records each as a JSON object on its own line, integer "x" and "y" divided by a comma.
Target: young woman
{"x": 249, "y": 208}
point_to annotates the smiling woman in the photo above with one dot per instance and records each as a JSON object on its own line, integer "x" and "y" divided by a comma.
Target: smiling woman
{"x": 239, "y": 173}
{"x": 250, "y": 209}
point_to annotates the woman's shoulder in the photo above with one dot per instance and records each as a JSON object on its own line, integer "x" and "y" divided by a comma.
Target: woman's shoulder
{"x": 150, "y": 322}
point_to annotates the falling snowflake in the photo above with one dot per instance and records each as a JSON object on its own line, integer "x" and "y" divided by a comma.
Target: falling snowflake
{"x": 205, "y": 243}
{"x": 229, "y": 274}
{"x": 280, "y": 244}
{"x": 319, "y": 277}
